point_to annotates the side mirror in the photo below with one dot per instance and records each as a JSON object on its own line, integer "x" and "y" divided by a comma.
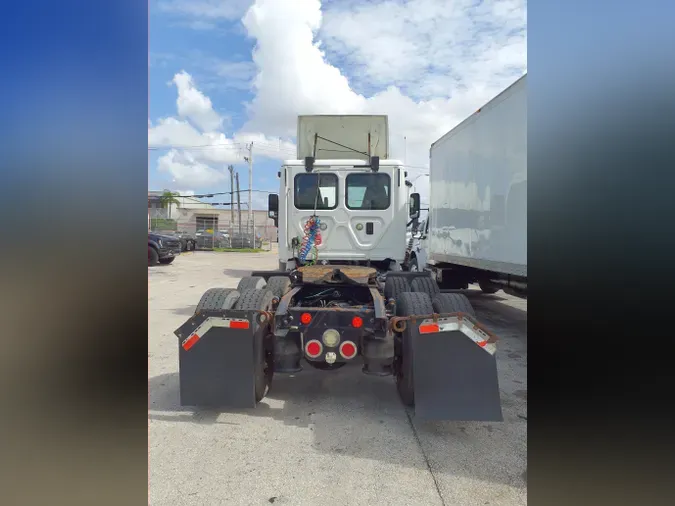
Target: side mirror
{"x": 273, "y": 208}
{"x": 415, "y": 205}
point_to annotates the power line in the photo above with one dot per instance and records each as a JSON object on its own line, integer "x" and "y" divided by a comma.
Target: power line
{"x": 204, "y": 146}
{"x": 227, "y": 145}
{"x": 210, "y": 195}
{"x": 266, "y": 149}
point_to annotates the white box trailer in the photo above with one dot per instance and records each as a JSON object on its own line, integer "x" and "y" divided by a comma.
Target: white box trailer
{"x": 477, "y": 226}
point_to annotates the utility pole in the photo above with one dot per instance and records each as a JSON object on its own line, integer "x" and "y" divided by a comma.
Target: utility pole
{"x": 231, "y": 169}
{"x": 249, "y": 159}
{"x": 238, "y": 202}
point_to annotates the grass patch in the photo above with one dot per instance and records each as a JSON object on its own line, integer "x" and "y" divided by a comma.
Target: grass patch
{"x": 235, "y": 250}
{"x": 163, "y": 224}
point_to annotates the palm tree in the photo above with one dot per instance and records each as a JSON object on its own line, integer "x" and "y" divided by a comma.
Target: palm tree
{"x": 168, "y": 198}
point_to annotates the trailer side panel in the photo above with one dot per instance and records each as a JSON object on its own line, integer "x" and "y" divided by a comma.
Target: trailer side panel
{"x": 478, "y": 182}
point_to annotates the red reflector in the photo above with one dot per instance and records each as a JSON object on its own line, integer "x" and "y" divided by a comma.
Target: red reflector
{"x": 242, "y": 324}
{"x": 305, "y": 318}
{"x": 429, "y": 328}
{"x": 313, "y": 348}
{"x": 357, "y": 322}
{"x": 348, "y": 349}
{"x": 482, "y": 344}
{"x": 190, "y": 342}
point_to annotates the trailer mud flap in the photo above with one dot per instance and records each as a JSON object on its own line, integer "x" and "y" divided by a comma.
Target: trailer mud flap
{"x": 216, "y": 359}
{"x": 454, "y": 371}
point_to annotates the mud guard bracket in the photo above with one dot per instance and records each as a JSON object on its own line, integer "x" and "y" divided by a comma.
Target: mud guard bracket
{"x": 215, "y": 350}
{"x": 455, "y": 371}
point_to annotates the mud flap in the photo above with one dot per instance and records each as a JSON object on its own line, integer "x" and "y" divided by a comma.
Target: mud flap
{"x": 454, "y": 371}
{"x": 216, "y": 359}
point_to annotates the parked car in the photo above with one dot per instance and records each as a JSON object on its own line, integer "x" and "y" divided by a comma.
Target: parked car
{"x": 162, "y": 249}
{"x": 223, "y": 239}
{"x": 207, "y": 239}
{"x": 188, "y": 242}
{"x": 241, "y": 241}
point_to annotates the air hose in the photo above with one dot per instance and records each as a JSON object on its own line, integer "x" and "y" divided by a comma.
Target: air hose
{"x": 311, "y": 239}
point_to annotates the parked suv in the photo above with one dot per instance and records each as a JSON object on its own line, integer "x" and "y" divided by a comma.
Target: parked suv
{"x": 162, "y": 249}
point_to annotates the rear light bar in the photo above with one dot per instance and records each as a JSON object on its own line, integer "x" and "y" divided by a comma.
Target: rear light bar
{"x": 454, "y": 324}
{"x": 209, "y": 323}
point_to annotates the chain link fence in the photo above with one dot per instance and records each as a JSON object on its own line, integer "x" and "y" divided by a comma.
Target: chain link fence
{"x": 215, "y": 231}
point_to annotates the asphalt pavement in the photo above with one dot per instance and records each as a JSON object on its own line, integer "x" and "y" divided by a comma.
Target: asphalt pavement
{"x": 324, "y": 438}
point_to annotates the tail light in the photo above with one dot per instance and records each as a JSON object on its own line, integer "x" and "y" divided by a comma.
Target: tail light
{"x": 348, "y": 350}
{"x": 313, "y": 348}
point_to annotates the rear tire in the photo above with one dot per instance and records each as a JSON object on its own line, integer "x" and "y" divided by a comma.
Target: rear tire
{"x": 263, "y": 366}
{"x": 279, "y": 285}
{"x": 153, "y": 257}
{"x": 425, "y": 284}
{"x": 408, "y": 304}
{"x": 251, "y": 283}
{"x": 452, "y": 303}
{"x": 167, "y": 261}
{"x": 215, "y": 299}
{"x": 395, "y": 286}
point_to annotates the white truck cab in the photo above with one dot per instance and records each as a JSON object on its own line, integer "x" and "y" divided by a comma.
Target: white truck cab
{"x": 362, "y": 212}
{"x": 358, "y": 195}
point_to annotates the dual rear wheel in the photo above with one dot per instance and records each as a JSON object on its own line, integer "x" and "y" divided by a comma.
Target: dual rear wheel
{"x": 252, "y": 293}
{"x": 419, "y": 297}
{"x": 257, "y": 299}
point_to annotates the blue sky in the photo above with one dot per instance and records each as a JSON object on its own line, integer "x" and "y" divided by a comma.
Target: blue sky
{"x": 174, "y": 46}
{"x": 224, "y": 73}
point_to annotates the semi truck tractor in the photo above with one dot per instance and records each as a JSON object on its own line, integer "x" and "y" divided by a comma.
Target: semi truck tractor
{"x": 340, "y": 294}
{"x": 476, "y": 231}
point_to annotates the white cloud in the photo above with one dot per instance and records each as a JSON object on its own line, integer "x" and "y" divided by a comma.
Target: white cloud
{"x": 186, "y": 170}
{"x": 198, "y": 154}
{"x": 210, "y": 9}
{"x": 426, "y": 64}
{"x": 173, "y": 132}
{"x": 194, "y": 105}
{"x": 428, "y": 47}
{"x": 435, "y": 63}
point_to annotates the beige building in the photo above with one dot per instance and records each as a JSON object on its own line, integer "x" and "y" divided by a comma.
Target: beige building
{"x": 191, "y": 215}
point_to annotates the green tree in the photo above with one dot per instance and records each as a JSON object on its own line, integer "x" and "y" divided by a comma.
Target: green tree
{"x": 168, "y": 198}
